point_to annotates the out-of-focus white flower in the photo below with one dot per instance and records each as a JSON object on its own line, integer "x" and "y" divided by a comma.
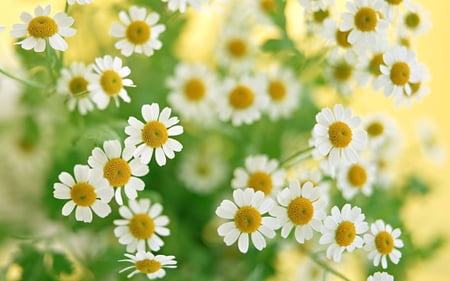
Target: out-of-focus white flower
{"x": 149, "y": 264}
{"x": 355, "y": 178}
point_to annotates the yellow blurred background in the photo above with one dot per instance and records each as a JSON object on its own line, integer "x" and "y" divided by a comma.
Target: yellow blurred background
{"x": 426, "y": 216}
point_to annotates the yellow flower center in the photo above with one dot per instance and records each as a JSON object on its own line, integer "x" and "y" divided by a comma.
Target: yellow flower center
{"x": 366, "y": 19}
{"x": 83, "y": 194}
{"x": 342, "y": 38}
{"x": 117, "y": 172}
{"x": 357, "y": 175}
{"x": 142, "y": 226}
{"x": 412, "y": 20}
{"x": 277, "y": 90}
{"x": 374, "y": 64}
{"x": 300, "y": 211}
{"x": 194, "y": 89}
{"x": 237, "y": 48}
{"x": 345, "y": 233}
{"x": 42, "y": 27}
{"x": 340, "y": 134}
{"x": 260, "y": 181}
{"x": 414, "y": 88}
{"x": 148, "y": 266}
{"x": 405, "y": 42}
{"x": 138, "y": 32}
{"x": 111, "y": 82}
{"x": 394, "y": 2}
{"x": 247, "y": 219}
{"x": 241, "y": 97}
{"x": 319, "y": 16}
{"x": 78, "y": 85}
{"x": 268, "y": 5}
{"x": 375, "y": 129}
{"x": 342, "y": 71}
{"x": 384, "y": 242}
{"x": 155, "y": 134}
{"x": 400, "y": 73}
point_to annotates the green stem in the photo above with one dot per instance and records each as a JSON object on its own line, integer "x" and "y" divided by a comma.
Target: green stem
{"x": 23, "y": 81}
{"x": 298, "y": 155}
{"x": 50, "y": 59}
{"x": 325, "y": 266}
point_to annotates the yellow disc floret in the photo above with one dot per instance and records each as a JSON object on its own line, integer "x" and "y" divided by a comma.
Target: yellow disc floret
{"x": 340, "y": 134}
{"x": 111, "y": 82}
{"x": 138, "y": 32}
{"x": 247, "y": 219}
{"x": 374, "y": 64}
{"x": 400, "y": 73}
{"x": 375, "y": 129}
{"x": 412, "y": 20}
{"x": 83, "y": 194}
{"x": 320, "y": 15}
{"x": 42, "y": 27}
{"x": 194, "y": 89}
{"x": 384, "y": 242}
{"x": 78, "y": 85}
{"x": 117, "y": 172}
{"x": 342, "y": 71}
{"x": 268, "y": 5}
{"x": 260, "y": 181}
{"x": 277, "y": 90}
{"x": 300, "y": 211}
{"x": 357, "y": 175}
{"x": 155, "y": 134}
{"x": 142, "y": 226}
{"x": 148, "y": 266}
{"x": 241, "y": 97}
{"x": 366, "y": 19}
{"x": 237, "y": 48}
{"x": 345, "y": 233}
{"x": 342, "y": 38}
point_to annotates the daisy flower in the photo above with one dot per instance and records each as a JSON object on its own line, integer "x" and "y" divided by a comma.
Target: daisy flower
{"x": 315, "y": 176}
{"x": 42, "y": 28}
{"x": 260, "y": 174}
{"x": 379, "y": 128}
{"x": 243, "y": 100}
{"x": 369, "y": 62}
{"x": 364, "y": 22}
{"x": 141, "y": 226}
{"x": 81, "y": 2}
{"x": 73, "y": 83}
{"x": 418, "y": 89}
{"x": 284, "y": 92}
{"x": 86, "y": 192}
{"x": 153, "y": 266}
{"x": 180, "y": 5}
{"x": 192, "y": 92}
{"x": 342, "y": 231}
{"x": 430, "y": 142}
{"x": 337, "y": 39}
{"x": 309, "y": 5}
{"x": 380, "y": 276}
{"x": 301, "y": 208}
{"x": 414, "y": 22}
{"x": 247, "y": 215}
{"x": 139, "y": 32}
{"x": 355, "y": 178}
{"x": 340, "y": 71}
{"x": 119, "y": 169}
{"x": 154, "y": 135}
{"x": 335, "y": 135}
{"x": 317, "y": 17}
{"x": 382, "y": 243}
{"x": 398, "y": 71}
{"x": 391, "y": 8}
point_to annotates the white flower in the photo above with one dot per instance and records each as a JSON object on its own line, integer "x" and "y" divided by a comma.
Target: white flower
{"x": 154, "y": 134}
{"x": 369, "y": 61}
{"x": 247, "y": 215}
{"x": 315, "y": 4}
{"x": 340, "y": 71}
{"x": 119, "y": 169}
{"x": 364, "y": 21}
{"x": 379, "y": 128}
{"x": 243, "y": 100}
{"x": 338, "y": 39}
{"x": 380, "y": 276}
{"x": 81, "y": 2}
{"x": 355, "y": 178}
{"x": 139, "y": 32}
{"x": 391, "y": 8}
{"x": 74, "y": 84}
{"x": 419, "y": 89}
{"x": 284, "y": 92}
{"x": 260, "y": 174}
{"x": 430, "y": 142}
{"x": 335, "y": 135}
{"x": 382, "y": 243}
{"x": 41, "y": 28}
{"x": 414, "y": 22}
{"x": 108, "y": 81}
{"x": 398, "y": 71}
{"x": 142, "y": 226}
{"x": 342, "y": 231}
{"x": 149, "y": 264}
{"x": 180, "y": 5}
{"x": 302, "y": 208}
{"x": 315, "y": 176}
{"x": 317, "y": 17}
{"x": 192, "y": 91}
{"x": 85, "y": 192}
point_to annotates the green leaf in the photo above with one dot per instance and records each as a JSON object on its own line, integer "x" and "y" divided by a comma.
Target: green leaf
{"x": 61, "y": 264}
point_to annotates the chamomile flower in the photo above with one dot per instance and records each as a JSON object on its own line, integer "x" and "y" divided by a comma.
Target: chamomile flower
{"x": 108, "y": 81}
{"x": 154, "y": 135}
{"x": 181, "y": 5}
{"x": 153, "y": 266}
{"x": 429, "y": 141}
{"x": 42, "y": 28}
{"x": 364, "y": 22}
{"x": 118, "y": 167}
{"x": 192, "y": 92}
{"x": 315, "y": 176}
{"x": 380, "y": 276}
{"x": 248, "y": 219}
{"x": 74, "y": 84}
{"x": 337, "y": 39}
{"x": 284, "y": 92}
{"x": 379, "y": 128}
{"x": 86, "y": 192}
{"x": 342, "y": 231}
{"x": 336, "y": 136}
{"x": 398, "y": 71}
{"x": 419, "y": 89}
{"x": 141, "y": 226}
{"x": 369, "y": 62}
{"x": 340, "y": 71}
{"x": 355, "y": 178}
{"x": 315, "y": 4}
{"x": 414, "y": 22}
{"x": 383, "y": 242}
{"x": 81, "y": 2}
{"x": 301, "y": 208}
{"x": 391, "y": 8}
{"x": 260, "y": 174}
{"x": 317, "y": 17}
{"x": 139, "y": 32}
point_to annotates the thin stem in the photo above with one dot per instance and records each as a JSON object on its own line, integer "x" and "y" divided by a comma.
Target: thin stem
{"x": 23, "y": 81}
{"x": 50, "y": 60}
{"x": 325, "y": 266}
{"x": 299, "y": 154}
